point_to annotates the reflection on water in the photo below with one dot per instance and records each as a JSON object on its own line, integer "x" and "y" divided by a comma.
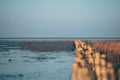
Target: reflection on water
{"x": 18, "y": 64}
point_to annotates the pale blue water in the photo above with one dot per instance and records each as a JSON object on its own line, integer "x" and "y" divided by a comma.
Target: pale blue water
{"x": 18, "y": 64}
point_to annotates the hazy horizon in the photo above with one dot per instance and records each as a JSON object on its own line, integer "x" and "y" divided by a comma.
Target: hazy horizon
{"x": 64, "y": 18}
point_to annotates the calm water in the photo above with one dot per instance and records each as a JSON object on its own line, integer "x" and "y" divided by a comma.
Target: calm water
{"x": 18, "y": 64}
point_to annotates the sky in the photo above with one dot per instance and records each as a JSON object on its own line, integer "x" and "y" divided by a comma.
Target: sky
{"x": 59, "y": 18}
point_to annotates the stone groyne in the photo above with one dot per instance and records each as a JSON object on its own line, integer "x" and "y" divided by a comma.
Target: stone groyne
{"x": 91, "y": 65}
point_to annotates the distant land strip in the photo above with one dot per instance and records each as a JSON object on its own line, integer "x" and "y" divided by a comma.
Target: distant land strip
{"x": 59, "y": 37}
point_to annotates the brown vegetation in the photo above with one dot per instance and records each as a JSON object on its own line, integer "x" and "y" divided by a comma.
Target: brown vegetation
{"x": 112, "y": 51}
{"x": 111, "y": 47}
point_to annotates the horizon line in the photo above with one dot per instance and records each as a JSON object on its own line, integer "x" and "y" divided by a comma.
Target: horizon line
{"x": 59, "y": 37}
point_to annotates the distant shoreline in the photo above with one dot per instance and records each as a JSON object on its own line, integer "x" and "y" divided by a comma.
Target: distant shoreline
{"x": 59, "y": 37}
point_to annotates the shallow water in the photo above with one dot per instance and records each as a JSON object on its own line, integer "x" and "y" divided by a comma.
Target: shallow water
{"x": 27, "y": 65}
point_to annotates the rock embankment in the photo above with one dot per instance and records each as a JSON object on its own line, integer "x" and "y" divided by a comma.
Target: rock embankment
{"x": 90, "y": 64}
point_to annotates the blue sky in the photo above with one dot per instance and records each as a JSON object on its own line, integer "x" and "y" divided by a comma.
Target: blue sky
{"x": 59, "y": 18}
